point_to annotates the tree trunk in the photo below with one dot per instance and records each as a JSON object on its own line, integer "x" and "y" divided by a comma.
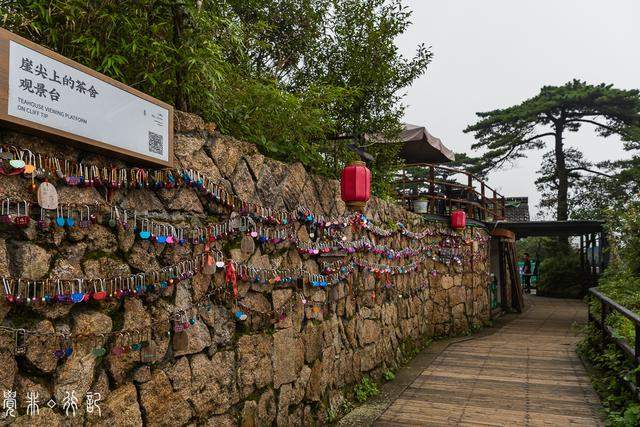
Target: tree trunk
{"x": 180, "y": 100}
{"x": 562, "y": 213}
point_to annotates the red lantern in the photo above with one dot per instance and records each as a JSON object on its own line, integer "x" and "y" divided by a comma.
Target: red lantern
{"x": 355, "y": 185}
{"x": 458, "y": 220}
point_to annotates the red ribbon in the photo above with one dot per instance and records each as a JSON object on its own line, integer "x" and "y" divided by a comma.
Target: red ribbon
{"x": 232, "y": 277}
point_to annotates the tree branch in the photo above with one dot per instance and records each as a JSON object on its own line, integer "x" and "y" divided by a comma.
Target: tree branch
{"x": 498, "y": 163}
{"x": 609, "y": 128}
{"x": 551, "y": 117}
{"x": 589, "y": 170}
{"x": 538, "y": 136}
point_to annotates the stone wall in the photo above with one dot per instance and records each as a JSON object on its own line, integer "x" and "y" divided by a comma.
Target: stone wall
{"x": 289, "y": 363}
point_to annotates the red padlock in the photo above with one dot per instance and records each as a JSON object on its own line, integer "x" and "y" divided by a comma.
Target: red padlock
{"x": 22, "y": 219}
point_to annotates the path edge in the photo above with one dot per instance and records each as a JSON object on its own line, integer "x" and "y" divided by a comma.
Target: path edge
{"x": 369, "y": 412}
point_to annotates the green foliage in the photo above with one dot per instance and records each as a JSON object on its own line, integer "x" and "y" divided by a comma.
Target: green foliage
{"x": 561, "y": 276}
{"x": 365, "y": 390}
{"x": 508, "y": 134}
{"x": 611, "y": 364}
{"x": 625, "y": 229}
{"x": 388, "y": 375}
{"x": 593, "y": 195}
{"x": 285, "y": 126}
{"x": 331, "y": 416}
{"x": 169, "y": 49}
{"x": 620, "y": 282}
{"x": 301, "y": 79}
{"x": 539, "y": 248}
{"x": 346, "y": 407}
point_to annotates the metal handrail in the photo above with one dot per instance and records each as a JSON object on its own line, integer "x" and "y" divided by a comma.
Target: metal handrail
{"x": 608, "y": 306}
{"x": 479, "y": 200}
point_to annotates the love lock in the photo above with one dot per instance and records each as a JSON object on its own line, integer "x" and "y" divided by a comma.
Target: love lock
{"x": 23, "y": 219}
{"x": 144, "y": 230}
{"x": 171, "y": 239}
{"x": 78, "y": 296}
{"x": 17, "y": 164}
{"x": 5, "y": 212}
{"x": 162, "y": 238}
{"x": 70, "y": 219}
{"x": 98, "y": 346}
{"x": 60, "y": 220}
{"x": 85, "y": 222}
{"x": 101, "y": 294}
{"x": 72, "y": 181}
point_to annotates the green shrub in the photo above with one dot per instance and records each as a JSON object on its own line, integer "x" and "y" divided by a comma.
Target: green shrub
{"x": 620, "y": 282}
{"x": 388, "y": 375}
{"x": 366, "y": 389}
{"x": 611, "y": 365}
{"x": 561, "y": 276}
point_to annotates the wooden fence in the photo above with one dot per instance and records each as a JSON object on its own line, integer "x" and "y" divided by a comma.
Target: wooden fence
{"x": 607, "y": 307}
{"x": 446, "y": 189}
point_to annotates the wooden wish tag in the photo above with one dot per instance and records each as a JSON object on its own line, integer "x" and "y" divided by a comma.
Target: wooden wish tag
{"x": 180, "y": 341}
{"x": 247, "y": 245}
{"x": 47, "y": 196}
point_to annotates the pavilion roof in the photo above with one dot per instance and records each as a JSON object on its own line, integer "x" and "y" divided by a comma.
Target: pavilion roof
{"x": 419, "y": 146}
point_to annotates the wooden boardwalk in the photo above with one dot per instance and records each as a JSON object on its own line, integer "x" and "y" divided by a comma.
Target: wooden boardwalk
{"x": 525, "y": 374}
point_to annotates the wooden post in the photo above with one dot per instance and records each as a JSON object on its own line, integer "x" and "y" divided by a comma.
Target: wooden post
{"x": 601, "y": 252}
{"x": 585, "y": 282}
{"x": 605, "y": 253}
{"x": 403, "y": 188}
{"x": 432, "y": 190}
{"x": 483, "y": 202}
{"x": 469, "y": 198}
{"x": 582, "y": 252}
{"x": 588, "y": 252}
{"x": 637, "y": 354}
{"x": 603, "y": 319}
{"x": 594, "y": 265}
{"x": 495, "y": 205}
{"x": 505, "y": 297}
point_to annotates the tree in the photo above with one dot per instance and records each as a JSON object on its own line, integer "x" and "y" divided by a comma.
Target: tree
{"x": 172, "y": 50}
{"x": 594, "y": 189}
{"x": 280, "y": 33}
{"x": 508, "y": 133}
{"x": 548, "y": 182}
{"x": 357, "y": 53}
{"x": 290, "y": 76}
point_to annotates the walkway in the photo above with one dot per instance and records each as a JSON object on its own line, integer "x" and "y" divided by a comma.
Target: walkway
{"x": 527, "y": 373}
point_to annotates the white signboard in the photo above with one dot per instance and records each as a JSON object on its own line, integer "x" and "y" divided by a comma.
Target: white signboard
{"x": 51, "y": 93}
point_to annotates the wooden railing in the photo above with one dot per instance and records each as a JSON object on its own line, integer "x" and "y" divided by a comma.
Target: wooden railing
{"x": 607, "y": 307}
{"x": 446, "y": 189}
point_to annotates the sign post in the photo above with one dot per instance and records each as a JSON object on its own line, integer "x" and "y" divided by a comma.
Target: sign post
{"x": 45, "y": 93}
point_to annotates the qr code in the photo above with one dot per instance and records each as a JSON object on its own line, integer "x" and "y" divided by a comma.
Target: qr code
{"x": 155, "y": 143}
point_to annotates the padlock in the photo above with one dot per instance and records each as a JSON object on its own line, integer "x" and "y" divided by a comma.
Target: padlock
{"x": 5, "y": 212}
{"x": 22, "y": 219}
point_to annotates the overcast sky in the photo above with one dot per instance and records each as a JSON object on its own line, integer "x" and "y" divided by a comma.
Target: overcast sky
{"x": 495, "y": 53}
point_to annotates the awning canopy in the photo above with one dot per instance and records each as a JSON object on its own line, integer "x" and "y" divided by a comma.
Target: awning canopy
{"x": 419, "y": 146}
{"x": 551, "y": 228}
{"x": 422, "y": 147}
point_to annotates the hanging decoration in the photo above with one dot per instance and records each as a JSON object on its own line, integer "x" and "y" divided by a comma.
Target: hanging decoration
{"x": 78, "y": 174}
{"x": 458, "y": 220}
{"x": 251, "y": 223}
{"x": 355, "y": 185}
